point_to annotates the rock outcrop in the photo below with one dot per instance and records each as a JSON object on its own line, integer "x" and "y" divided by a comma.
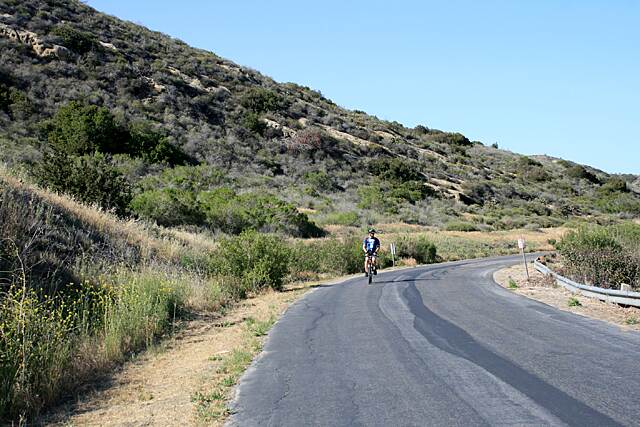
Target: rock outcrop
{"x": 41, "y": 48}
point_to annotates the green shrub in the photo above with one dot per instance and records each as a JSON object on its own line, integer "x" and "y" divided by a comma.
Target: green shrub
{"x": 525, "y": 162}
{"x": 190, "y": 178}
{"x": 91, "y": 179}
{"x": 579, "y": 172}
{"x": 14, "y": 101}
{"x": 168, "y": 207}
{"x": 320, "y": 181}
{"x": 153, "y": 146}
{"x": 461, "y": 226}
{"x": 618, "y": 203}
{"x": 258, "y": 260}
{"x": 395, "y": 170}
{"x": 254, "y": 123}
{"x": 78, "y": 41}
{"x": 337, "y": 256}
{"x": 614, "y": 185}
{"x": 260, "y": 100}
{"x": 418, "y": 247}
{"x": 453, "y": 139}
{"x": 535, "y": 174}
{"x": 79, "y": 129}
{"x": 603, "y": 256}
{"x": 349, "y": 218}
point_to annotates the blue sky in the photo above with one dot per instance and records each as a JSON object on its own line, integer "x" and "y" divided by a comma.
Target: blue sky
{"x": 557, "y": 77}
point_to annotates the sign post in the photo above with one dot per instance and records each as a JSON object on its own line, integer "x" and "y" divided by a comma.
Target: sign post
{"x": 522, "y": 244}
{"x": 393, "y": 253}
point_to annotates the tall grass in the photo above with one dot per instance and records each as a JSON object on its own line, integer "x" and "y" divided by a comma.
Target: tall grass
{"x": 50, "y": 344}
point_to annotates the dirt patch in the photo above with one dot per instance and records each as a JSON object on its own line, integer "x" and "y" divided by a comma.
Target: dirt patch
{"x": 158, "y": 388}
{"x": 544, "y": 289}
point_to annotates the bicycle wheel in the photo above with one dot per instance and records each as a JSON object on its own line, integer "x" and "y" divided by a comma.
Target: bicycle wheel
{"x": 370, "y": 272}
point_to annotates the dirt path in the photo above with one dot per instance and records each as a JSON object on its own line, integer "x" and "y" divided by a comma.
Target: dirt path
{"x": 157, "y": 388}
{"x": 544, "y": 289}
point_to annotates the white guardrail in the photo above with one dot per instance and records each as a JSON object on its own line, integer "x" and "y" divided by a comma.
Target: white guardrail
{"x": 610, "y": 295}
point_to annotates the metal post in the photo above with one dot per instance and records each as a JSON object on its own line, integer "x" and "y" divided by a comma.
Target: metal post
{"x": 526, "y": 268}
{"x": 393, "y": 254}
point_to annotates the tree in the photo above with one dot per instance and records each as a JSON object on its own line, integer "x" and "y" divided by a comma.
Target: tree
{"x": 79, "y": 129}
{"x": 91, "y": 179}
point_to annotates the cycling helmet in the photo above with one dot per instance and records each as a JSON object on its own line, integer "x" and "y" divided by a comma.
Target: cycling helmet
{"x": 371, "y": 230}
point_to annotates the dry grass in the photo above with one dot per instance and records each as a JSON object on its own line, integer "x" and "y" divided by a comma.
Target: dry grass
{"x": 168, "y": 244}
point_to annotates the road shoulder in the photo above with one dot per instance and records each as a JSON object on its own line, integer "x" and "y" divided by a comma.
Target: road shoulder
{"x": 545, "y": 290}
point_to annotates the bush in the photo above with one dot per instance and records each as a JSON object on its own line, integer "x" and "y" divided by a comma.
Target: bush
{"x": 260, "y": 100}
{"x": 91, "y": 179}
{"x": 168, "y": 207}
{"x": 349, "y": 218}
{"x": 190, "y": 178}
{"x": 320, "y": 181}
{"x": 337, "y": 256}
{"x": 478, "y": 191}
{"x": 461, "y": 226}
{"x": 254, "y": 123}
{"x": 258, "y": 260}
{"x": 395, "y": 170}
{"x": 603, "y": 256}
{"x": 79, "y": 129}
{"x": 454, "y": 139}
{"x": 614, "y": 185}
{"x": 418, "y": 247}
{"x": 231, "y": 213}
{"x": 78, "y": 41}
{"x": 579, "y": 172}
{"x": 153, "y": 146}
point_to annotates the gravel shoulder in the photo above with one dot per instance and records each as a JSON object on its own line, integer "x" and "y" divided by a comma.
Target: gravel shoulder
{"x": 545, "y": 290}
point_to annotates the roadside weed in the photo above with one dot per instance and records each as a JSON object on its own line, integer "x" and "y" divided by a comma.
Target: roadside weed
{"x": 257, "y": 328}
{"x": 574, "y": 302}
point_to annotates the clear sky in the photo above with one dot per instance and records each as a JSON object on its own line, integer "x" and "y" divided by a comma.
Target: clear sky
{"x": 557, "y": 77}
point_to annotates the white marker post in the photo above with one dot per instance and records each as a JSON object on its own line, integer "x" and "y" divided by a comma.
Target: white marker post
{"x": 522, "y": 244}
{"x": 393, "y": 253}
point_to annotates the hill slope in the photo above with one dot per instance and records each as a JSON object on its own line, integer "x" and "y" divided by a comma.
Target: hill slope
{"x": 240, "y": 135}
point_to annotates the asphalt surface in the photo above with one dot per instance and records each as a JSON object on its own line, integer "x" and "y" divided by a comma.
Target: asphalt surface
{"x": 439, "y": 345}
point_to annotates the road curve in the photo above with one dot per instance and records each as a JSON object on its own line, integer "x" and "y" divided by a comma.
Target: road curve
{"x": 439, "y": 345}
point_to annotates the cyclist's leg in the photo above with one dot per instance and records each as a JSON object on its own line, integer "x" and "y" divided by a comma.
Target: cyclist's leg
{"x": 366, "y": 263}
{"x": 374, "y": 264}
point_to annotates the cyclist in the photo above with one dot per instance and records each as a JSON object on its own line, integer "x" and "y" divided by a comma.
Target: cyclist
{"x": 370, "y": 246}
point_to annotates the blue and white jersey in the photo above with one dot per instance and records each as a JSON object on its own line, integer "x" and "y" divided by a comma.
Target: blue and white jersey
{"x": 371, "y": 244}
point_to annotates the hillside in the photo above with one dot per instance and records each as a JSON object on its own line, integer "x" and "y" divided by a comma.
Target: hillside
{"x": 188, "y": 138}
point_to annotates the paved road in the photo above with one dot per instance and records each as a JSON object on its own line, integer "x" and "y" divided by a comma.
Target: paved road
{"x": 439, "y": 345}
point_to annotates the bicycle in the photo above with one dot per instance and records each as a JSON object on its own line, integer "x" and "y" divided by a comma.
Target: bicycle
{"x": 371, "y": 267}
